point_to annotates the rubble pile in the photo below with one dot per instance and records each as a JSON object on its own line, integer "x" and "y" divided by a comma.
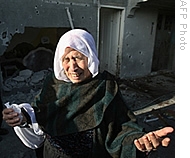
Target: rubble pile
{"x": 142, "y": 92}
{"x": 24, "y": 86}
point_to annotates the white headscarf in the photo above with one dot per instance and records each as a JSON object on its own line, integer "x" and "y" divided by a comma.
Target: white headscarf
{"x": 81, "y": 41}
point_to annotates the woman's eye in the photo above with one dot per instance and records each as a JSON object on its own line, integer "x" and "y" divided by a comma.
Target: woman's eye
{"x": 66, "y": 60}
{"x": 78, "y": 58}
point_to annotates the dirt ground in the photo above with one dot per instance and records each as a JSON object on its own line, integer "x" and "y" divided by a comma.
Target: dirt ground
{"x": 151, "y": 98}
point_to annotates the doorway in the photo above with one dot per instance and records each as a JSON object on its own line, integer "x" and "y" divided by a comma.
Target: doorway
{"x": 110, "y": 39}
{"x": 164, "y": 49}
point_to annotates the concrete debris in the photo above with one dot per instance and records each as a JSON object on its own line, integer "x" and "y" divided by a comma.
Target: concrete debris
{"x": 23, "y": 87}
{"x": 154, "y": 89}
{"x": 37, "y": 77}
{"x": 150, "y": 118}
{"x": 25, "y": 73}
{"x": 156, "y": 106}
{"x": 33, "y": 60}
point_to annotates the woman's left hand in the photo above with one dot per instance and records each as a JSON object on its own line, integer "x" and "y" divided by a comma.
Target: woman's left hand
{"x": 152, "y": 140}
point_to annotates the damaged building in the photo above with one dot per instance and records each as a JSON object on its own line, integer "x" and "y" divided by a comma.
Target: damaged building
{"x": 134, "y": 38}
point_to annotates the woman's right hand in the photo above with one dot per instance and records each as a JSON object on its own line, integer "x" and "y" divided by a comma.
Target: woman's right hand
{"x": 11, "y": 117}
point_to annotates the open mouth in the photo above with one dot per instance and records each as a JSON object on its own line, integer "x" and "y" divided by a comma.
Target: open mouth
{"x": 74, "y": 75}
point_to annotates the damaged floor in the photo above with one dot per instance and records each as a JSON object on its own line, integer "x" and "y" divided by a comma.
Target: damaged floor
{"x": 151, "y": 98}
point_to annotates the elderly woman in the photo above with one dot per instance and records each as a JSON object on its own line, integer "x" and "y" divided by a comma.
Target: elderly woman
{"x": 80, "y": 113}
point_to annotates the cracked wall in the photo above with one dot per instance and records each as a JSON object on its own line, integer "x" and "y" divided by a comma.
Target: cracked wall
{"x": 16, "y": 15}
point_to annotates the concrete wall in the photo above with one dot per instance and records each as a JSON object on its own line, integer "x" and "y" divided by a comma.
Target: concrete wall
{"x": 16, "y": 15}
{"x": 138, "y": 43}
{"x": 119, "y": 3}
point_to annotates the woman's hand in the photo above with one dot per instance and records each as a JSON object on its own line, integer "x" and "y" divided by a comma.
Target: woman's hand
{"x": 12, "y": 118}
{"x": 152, "y": 140}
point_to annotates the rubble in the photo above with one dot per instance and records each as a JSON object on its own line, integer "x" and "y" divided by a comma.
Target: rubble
{"x": 24, "y": 86}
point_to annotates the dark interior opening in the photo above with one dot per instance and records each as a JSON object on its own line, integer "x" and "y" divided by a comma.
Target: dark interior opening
{"x": 26, "y": 62}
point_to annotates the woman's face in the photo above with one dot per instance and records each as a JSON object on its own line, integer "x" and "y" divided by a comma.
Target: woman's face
{"x": 75, "y": 65}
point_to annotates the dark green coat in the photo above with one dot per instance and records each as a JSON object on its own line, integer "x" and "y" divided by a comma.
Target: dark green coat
{"x": 63, "y": 108}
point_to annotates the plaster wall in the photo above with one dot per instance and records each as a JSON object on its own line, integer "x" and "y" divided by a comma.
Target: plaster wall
{"x": 138, "y": 43}
{"x": 16, "y": 15}
{"x": 121, "y": 3}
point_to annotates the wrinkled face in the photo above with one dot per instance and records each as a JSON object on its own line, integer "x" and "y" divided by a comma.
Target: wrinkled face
{"x": 75, "y": 65}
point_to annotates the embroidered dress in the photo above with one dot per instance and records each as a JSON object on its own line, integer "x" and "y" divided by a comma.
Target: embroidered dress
{"x": 76, "y": 145}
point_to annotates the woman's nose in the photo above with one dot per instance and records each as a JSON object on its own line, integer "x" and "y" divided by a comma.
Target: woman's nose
{"x": 73, "y": 65}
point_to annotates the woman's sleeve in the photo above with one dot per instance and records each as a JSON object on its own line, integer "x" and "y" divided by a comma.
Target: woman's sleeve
{"x": 122, "y": 130}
